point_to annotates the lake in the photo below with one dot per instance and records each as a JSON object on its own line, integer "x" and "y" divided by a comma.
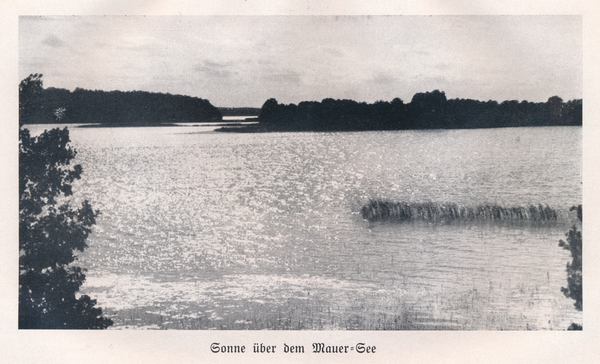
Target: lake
{"x": 207, "y": 230}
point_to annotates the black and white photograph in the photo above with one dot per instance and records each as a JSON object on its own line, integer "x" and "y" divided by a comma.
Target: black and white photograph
{"x": 317, "y": 175}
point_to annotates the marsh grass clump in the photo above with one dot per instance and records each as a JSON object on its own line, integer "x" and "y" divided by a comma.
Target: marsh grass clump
{"x": 381, "y": 210}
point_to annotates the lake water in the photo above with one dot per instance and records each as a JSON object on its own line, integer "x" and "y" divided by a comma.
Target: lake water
{"x": 206, "y": 230}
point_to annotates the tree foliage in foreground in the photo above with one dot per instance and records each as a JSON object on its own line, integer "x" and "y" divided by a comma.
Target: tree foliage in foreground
{"x": 574, "y": 287}
{"x": 50, "y": 231}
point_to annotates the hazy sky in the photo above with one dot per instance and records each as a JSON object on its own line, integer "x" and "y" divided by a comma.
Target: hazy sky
{"x": 243, "y": 61}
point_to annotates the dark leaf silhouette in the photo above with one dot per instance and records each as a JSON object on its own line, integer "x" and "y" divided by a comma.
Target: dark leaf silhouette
{"x": 574, "y": 287}
{"x": 50, "y": 231}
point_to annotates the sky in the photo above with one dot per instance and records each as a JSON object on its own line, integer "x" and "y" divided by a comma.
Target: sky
{"x": 241, "y": 61}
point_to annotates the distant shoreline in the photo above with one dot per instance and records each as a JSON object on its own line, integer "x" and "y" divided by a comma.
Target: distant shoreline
{"x": 142, "y": 125}
{"x": 257, "y": 128}
{"x": 238, "y": 127}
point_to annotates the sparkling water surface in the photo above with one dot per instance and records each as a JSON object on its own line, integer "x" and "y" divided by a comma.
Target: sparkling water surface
{"x": 203, "y": 230}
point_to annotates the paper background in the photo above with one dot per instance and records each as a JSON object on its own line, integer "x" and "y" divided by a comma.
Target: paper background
{"x": 194, "y": 346}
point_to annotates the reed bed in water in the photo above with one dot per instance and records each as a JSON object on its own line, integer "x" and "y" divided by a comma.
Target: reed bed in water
{"x": 381, "y": 210}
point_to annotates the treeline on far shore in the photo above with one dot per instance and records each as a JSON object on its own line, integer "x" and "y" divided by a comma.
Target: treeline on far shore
{"x": 428, "y": 110}
{"x": 38, "y": 105}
